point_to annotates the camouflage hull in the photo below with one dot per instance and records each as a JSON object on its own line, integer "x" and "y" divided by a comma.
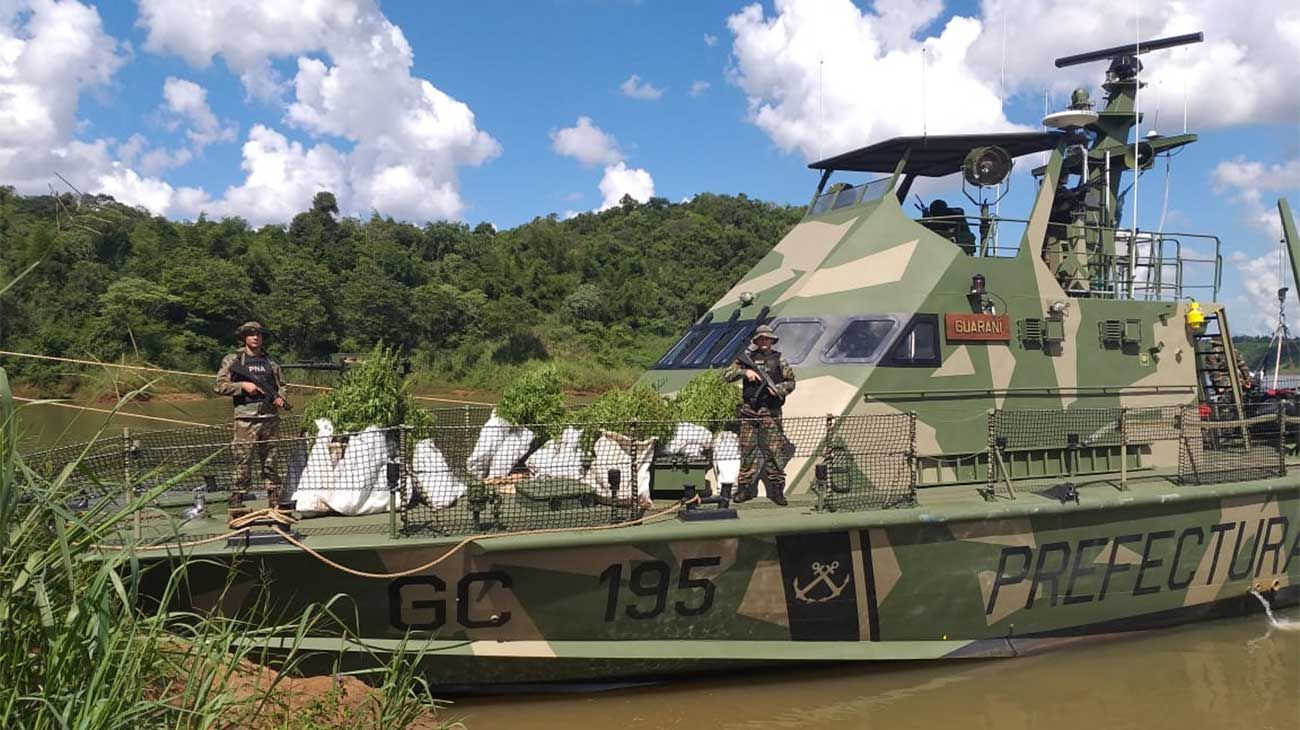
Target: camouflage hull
{"x": 790, "y": 586}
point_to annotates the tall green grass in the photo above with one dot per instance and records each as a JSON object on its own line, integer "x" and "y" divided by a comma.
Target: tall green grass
{"x": 77, "y": 651}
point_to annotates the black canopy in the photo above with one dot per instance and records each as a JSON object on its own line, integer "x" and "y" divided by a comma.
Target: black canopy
{"x": 935, "y": 155}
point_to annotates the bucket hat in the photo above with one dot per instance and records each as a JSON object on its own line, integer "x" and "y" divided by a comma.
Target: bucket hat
{"x": 764, "y": 331}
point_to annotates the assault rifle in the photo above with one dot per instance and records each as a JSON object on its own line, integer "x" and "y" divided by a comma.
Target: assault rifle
{"x": 241, "y": 374}
{"x": 744, "y": 359}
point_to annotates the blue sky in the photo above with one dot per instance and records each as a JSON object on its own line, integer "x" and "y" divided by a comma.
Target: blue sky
{"x": 247, "y": 109}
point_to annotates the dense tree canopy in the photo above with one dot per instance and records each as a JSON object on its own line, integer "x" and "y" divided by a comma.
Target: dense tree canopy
{"x": 608, "y": 289}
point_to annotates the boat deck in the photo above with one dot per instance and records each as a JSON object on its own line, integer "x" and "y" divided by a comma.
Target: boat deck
{"x": 934, "y": 504}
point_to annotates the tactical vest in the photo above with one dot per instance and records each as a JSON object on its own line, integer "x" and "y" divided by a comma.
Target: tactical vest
{"x": 261, "y": 365}
{"x": 754, "y": 392}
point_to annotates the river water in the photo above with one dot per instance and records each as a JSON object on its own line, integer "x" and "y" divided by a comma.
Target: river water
{"x": 1238, "y": 673}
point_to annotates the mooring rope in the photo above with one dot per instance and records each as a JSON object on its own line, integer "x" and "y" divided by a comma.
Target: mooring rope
{"x": 244, "y": 524}
{"x": 476, "y": 538}
{"x": 114, "y": 413}
{"x": 188, "y": 373}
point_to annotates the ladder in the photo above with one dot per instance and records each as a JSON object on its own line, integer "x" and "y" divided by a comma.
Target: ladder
{"x": 1217, "y": 379}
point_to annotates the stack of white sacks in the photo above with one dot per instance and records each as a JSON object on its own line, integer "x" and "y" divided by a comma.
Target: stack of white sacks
{"x": 357, "y": 483}
{"x": 502, "y": 446}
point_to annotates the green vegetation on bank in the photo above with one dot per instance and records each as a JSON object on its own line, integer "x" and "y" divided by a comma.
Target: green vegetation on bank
{"x": 78, "y": 652}
{"x": 1259, "y": 355}
{"x": 600, "y": 296}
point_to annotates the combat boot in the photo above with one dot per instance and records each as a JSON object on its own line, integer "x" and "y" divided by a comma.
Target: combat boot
{"x": 273, "y": 496}
{"x": 778, "y": 497}
{"x": 235, "y": 505}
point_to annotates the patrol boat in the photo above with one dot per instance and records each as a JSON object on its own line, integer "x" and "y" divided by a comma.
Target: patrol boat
{"x": 1007, "y": 434}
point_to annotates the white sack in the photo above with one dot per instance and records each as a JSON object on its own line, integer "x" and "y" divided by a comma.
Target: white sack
{"x": 433, "y": 476}
{"x": 489, "y": 439}
{"x": 560, "y": 458}
{"x": 510, "y": 451}
{"x": 358, "y": 474}
{"x": 611, "y": 454}
{"x": 317, "y": 477}
{"x": 726, "y": 457}
{"x": 689, "y": 440}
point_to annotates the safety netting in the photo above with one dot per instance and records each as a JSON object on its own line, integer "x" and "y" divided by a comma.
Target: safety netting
{"x": 502, "y": 476}
{"x": 469, "y": 471}
{"x": 1224, "y": 444}
{"x": 1216, "y": 443}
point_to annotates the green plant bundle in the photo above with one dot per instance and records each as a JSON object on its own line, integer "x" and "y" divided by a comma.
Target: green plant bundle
{"x": 655, "y": 416}
{"x": 708, "y": 400}
{"x": 371, "y": 394}
{"x": 534, "y": 398}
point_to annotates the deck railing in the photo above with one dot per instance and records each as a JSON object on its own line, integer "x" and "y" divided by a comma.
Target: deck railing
{"x": 1213, "y": 444}
{"x": 468, "y": 473}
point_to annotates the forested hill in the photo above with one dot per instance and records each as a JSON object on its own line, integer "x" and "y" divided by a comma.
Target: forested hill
{"x": 601, "y": 294}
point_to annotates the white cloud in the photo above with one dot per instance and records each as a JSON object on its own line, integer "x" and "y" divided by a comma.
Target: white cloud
{"x": 823, "y": 77}
{"x": 351, "y": 64}
{"x": 620, "y": 180}
{"x": 591, "y": 146}
{"x": 48, "y": 57}
{"x": 586, "y": 143}
{"x": 710, "y": 40}
{"x": 1245, "y": 71}
{"x": 189, "y": 102}
{"x": 699, "y": 87}
{"x": 1254, "y": 186}
{"x": 1255, "y": 310}
{"x": 157, "y": 160}
{"x": 282, "y": 176}
{"x": 1250, "y": 180}
{"x": 633, "y": 88}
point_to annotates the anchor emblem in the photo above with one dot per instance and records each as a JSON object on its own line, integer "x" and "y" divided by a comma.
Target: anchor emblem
{"x": 824, "y": 576}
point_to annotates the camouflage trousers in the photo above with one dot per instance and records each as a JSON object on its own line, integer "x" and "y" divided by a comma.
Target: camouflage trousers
{"x": 253, "y": 447}
{"x": 761, "y": 440}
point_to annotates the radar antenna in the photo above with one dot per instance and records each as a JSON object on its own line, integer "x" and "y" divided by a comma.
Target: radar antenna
{"x": 1129, "y": 50}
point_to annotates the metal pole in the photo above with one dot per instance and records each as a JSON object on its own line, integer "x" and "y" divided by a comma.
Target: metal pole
{"x": 137, "y": 527}
{"x": 1123, "y": 449}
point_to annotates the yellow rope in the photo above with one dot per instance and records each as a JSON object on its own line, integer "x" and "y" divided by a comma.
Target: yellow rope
{"x": 243, "y": 525}
{"x": 177, "y": 545}
{"x": 476, "y": 538}
{"x": 165, "y": 371}
{"x": 116, "y": 413}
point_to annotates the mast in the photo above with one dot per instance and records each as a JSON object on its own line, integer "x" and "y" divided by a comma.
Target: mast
{"x": 1292, "y": 240}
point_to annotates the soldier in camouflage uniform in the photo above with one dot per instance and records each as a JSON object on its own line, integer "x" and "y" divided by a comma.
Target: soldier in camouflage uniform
{"x": 760, "y": 419}
{"x": 1219, "y": 376}
{"x": 256, "y": 416}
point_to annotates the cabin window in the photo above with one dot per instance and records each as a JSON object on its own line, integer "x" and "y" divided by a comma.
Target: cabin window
{"x": 707, "y": 345}
{"x": 797, "y": 337}
{"x": 684, "y": 345}
{"x": 731, "y": 345}
{"x": 698, "y": 356}
{"x": 918, "y": 345}
{"x": 859, "y": 341}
